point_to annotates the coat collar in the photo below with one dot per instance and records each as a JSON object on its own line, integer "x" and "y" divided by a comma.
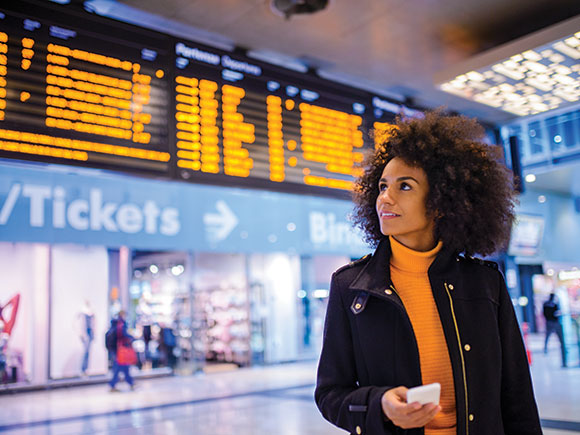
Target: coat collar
{"x": 376, "y": 276}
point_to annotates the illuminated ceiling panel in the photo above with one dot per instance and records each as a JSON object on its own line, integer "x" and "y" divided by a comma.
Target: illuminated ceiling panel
{"x": 532, "y": 75}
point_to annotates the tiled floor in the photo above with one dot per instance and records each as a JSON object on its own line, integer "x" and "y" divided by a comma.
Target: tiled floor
{"x": 270, "y": 400}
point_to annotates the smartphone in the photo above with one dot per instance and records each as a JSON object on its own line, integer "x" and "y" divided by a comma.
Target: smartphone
{"x": 425, "y": 394}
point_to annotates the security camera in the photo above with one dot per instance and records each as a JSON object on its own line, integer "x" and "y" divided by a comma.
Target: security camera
{"x": 287, "y": 8}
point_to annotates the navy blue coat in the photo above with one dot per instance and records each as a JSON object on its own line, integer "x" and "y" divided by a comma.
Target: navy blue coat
{"x": 369, "y": 347}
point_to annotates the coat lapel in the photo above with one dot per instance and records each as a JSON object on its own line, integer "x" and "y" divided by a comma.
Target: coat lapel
{"x": 375, "y": 275}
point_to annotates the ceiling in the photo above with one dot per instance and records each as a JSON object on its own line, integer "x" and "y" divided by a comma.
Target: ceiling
{"x": 392, "y": 47}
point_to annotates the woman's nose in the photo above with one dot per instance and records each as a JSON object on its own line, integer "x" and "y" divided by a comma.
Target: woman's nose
{"x": 386, "y": 196}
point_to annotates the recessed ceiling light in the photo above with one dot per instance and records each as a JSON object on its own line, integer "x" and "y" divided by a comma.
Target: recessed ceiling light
{"x": 530, "y": 178}
{"x": 534, "y": 74}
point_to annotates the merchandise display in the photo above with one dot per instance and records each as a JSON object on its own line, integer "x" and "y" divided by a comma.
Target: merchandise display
{"x": 161, "y": 310}
{"x": 10, "y": 360}
{"x": 225, "y": 324}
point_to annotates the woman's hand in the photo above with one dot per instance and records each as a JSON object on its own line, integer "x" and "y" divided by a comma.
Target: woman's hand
{"x": 407, "y": 415}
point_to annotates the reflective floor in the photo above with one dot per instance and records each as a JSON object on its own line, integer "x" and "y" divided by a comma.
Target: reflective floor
{"x": 270, "y": 400}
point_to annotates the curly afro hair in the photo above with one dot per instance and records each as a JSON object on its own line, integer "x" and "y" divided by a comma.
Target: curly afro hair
{"x": 471, "y": 196}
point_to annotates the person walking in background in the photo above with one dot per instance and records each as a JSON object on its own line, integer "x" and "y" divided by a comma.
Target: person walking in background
{"x": 553, "y": 325}
{"x": 167, "y": 343}
{"x": 421, "y": 309}
{"x": 111, "y": 341}
{"x": 121, "y": 354}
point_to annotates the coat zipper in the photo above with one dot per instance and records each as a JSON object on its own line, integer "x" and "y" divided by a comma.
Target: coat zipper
{"x": 462, "y": 359}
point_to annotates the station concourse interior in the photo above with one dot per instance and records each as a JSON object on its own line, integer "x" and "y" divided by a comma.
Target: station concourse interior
{"x": 190, "y": 164}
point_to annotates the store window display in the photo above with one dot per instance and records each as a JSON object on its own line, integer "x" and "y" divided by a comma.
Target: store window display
{"x": 224, "y": 313}
{"x": 160, "y": 311}
{"x": 221, "y": 309}
{"x": 78, "y": 310}
{"x": 23, "y": 313}
{"x": 9, "y": 361}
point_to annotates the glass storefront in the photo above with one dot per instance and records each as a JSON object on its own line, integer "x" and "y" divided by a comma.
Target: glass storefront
{"x": 192, "y": 311}
{"x": 222, "y": 308}
{"x": 187, "y": 311}
{"x": 564, "y": 282}
{"x": 78, "y": 310}
{"x": 23, "y": 316}
{"x": 160, "y": 309}
{"x": 227, "y": 310}
{"x": 275, "y": 280}
{"x": 54, "y": 312}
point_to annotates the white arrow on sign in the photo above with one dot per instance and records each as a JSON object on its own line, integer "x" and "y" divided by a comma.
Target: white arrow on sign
{"x": 220, "y": 225}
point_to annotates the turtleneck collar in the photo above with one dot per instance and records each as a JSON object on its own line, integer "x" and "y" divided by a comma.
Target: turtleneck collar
{"x": 409, "y": 260}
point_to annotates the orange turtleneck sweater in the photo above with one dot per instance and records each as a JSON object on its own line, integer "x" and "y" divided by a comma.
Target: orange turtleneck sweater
{"x": 409, "y": 276}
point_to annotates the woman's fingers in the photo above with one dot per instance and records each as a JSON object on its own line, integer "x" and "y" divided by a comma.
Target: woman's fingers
{"x": 394, "y": 402}
{"x": 420, "y": 417}
{"x": 407, "y": 415}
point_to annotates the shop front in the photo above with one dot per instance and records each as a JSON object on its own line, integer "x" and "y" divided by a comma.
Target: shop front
{"x": 562, "y": 280}
{"x": 210, "y": 277}
{"x": 543, "y": 259}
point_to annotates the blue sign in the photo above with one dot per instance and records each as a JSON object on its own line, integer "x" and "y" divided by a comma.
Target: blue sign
{"x": 64, "y": 205}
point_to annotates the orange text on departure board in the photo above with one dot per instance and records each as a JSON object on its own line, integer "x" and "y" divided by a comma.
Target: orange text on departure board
{"x": 100, "y": 104}
{"x": 333, "y": 138}
{"x": 82, "y": 101}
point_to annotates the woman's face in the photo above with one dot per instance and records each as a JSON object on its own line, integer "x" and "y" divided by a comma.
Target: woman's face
{"x": 401, "y": 205}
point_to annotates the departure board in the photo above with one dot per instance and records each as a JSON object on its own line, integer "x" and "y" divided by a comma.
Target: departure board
{"x": 73, "y": 90}
{"x": 80, "y": 89}
{"x": 241, "y": 118}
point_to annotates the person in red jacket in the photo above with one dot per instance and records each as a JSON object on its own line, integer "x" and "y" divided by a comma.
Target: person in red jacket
{"x": 123, "y": 338}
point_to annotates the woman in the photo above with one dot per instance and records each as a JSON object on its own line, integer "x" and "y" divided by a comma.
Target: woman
{"x": 421, "y": 309}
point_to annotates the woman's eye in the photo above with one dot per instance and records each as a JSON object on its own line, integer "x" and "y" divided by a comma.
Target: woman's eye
{"x": 382, "y": 187}
{"x": 405, "y": 186}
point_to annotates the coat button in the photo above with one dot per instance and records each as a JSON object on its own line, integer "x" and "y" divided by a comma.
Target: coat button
{"x": 357, "y": 306}
{"x": 358, "y": 430}
{"x": 467, "y": 347}
{"x": 471, "y": 417}
{"x": 388, "y": 291}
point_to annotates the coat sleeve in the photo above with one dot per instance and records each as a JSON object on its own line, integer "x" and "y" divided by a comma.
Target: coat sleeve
{"x": 338, "y": 395}
{"x": 518, "y": 405}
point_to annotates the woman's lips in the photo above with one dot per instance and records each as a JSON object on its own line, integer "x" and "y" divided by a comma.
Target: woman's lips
{"x": 387, "y": 215}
